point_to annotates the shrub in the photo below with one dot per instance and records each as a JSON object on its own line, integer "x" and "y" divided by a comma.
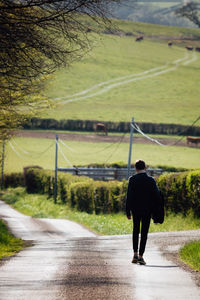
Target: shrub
{"x": 13, "y": 180}
{"x": 181, "y": 191}
{"x": 83, "y": 196}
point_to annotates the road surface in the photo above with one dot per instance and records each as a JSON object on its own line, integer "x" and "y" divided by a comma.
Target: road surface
{"x": 69, "y": 262}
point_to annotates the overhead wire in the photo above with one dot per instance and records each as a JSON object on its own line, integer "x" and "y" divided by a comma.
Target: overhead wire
{"x": 116, "y": 148}
{"x": 137, "y": 128}
{"x": 66, "y": 146}
{"x": 184, "y": 131}
{"x": 33, "y": 155}
{"x": 63, "y": 155}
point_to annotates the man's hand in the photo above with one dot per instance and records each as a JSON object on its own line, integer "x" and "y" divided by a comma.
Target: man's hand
{"x": 129, "y": 217}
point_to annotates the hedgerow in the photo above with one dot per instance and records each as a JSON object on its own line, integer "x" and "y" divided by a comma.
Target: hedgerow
{"x": 181, "y": 191}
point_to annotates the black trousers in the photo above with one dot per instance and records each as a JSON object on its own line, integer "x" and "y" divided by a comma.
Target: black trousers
{"x": 144, "y": 220}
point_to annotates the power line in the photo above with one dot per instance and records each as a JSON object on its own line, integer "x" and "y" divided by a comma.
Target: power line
{"x": 66, "y": 146}
{"x": 116, "y": 148}
{"x": 65, "y": 158}
{"x": 137, "y": 128}
{"x": 184, "y": 131}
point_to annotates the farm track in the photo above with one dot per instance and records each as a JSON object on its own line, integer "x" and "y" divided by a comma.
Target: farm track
{"x": 94, "y": 138}
{"x": 106, "y": 86}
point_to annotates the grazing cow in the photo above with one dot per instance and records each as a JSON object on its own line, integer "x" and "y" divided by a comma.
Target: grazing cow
{"x": 190, "y": 48}
{"x": 139, "y": 38}
{"x": 170, "y": 43}
{"x": 101, "y": 127}
{"x": 193, "y": 140}
{"x": 197, "y": 49}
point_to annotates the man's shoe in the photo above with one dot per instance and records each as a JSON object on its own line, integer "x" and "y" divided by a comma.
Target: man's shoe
{"x": 141, "y": 261}
{"x": 135, "y": 259}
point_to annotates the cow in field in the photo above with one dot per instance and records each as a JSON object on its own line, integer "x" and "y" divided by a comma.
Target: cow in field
{"x": 197, "y": 49}
{"x": 139, "y": 38}
{"x": 190, "y": 48}
{"x": 170, "y": 43}
{"x": 101, "y": 127}
{"x": 193, "y": 140}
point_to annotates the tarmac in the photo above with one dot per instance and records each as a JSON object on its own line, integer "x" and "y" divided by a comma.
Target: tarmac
{"x": 67, "y": 261}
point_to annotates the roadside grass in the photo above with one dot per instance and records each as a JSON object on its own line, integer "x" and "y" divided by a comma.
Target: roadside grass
{"x": 190, "y": 254}
{"x": 39, "y": 206}
{"x": 42, "y": 152}
{"x": 171, "y": 95}
{"x": 9, "y": 245}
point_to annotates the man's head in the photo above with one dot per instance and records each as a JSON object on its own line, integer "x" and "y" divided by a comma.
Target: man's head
{"x": 140, "y": 165}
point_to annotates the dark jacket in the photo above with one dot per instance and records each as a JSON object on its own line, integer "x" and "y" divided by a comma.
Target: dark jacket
{"x": 142, "y": 194}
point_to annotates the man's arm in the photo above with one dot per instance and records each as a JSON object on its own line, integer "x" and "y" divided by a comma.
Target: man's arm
{"x": 128, "y": 199}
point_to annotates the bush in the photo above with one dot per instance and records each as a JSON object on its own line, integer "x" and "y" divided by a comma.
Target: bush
{"x": 83, "y": 196}
{"x": 13, "y": 180}
{"x": 181, "y": 191}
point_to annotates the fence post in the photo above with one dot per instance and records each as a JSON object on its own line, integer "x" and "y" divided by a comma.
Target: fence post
{"x": 130, "y": 148}
{"x": 56, "y": 171}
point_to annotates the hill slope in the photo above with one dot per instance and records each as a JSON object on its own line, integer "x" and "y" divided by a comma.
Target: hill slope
{"x": 121, "y": 78}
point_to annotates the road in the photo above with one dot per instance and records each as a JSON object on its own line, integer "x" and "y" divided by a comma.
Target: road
{"x": 66, "y": 261}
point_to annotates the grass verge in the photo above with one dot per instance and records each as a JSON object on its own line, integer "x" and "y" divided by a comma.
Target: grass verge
{"x": 190, "y": 254}
{"x": 9, "y": 245}
{"x": 115, "y": 224}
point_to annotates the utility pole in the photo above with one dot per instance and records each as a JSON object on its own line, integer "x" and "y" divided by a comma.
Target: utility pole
{"x": 56, "y": 171}
{"x": 2, "y": 165}
{"x": 130, "y": 148}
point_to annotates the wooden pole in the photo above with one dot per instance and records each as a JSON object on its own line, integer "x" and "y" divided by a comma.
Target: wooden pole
{"x": 130, "y": 148}
{"x": 56, "y": 171}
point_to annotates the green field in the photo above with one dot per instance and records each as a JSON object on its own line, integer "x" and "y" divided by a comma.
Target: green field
{"x": 165, "y": 95}
{"x": 42, "y": 152}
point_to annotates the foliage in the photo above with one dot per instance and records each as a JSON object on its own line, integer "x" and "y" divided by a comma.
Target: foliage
{"x": 190, "y": 254}
{"x": 181, "y": 192}
{"x": 81, "y": 193}
{"x": 13, "y": 180}
{"x": 9, "y": 245}
{"x": 37, "y": 37}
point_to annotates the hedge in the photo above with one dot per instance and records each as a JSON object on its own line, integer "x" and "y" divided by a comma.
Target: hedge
{"x": 82, "y": 193}
{"x": 88, "y": 125}
{"x": 181, "y": 192}
{"x": 13, "y": 180}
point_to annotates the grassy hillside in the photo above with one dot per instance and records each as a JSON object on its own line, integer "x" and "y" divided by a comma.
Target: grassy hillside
{"x": 33, "y": 151}
{"x": 104, "y": 91}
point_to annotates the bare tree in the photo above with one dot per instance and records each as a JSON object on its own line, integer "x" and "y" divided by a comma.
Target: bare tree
{"x": 191, "y": 11}
{"x": 36, "y": 37}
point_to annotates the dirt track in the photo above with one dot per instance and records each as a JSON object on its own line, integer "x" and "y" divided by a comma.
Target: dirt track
{"x": 97, "y": 138}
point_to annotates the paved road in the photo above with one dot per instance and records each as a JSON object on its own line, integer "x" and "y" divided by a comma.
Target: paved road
{"x": 69, "y": 262}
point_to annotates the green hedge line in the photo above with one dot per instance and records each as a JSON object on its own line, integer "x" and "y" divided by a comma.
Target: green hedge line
{"x": 181, "y": 192}
{"x": 81, "y": 193}
{"x": 88, "y": 125}
{"x": 13, "y": 180}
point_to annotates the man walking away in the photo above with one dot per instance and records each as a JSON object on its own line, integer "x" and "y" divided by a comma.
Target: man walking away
{"x": 142, "y": 196}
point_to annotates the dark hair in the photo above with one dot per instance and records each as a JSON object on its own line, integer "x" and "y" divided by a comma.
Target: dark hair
{"x": 140, "y": 165}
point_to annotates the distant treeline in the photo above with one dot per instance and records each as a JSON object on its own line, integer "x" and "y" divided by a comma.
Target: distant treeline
{"x": 88, "y": 125}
